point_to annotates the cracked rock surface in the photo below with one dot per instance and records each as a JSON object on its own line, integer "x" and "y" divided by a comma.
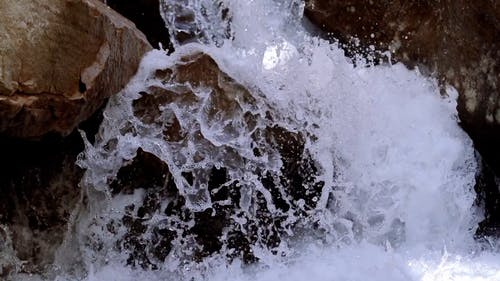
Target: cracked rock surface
{"x": 60, "y": 60}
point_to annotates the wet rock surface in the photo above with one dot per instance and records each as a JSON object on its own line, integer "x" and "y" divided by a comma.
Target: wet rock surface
{"x": 488, "y": 197}
{"x": 39, "y": 190}
{"x": 39, "y": 187}
{"x": 456, "y": 41}
{"x": 192, "y": 210}
{"x": 61, "y": 59}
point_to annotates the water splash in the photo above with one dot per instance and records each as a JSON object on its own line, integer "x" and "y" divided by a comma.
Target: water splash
{"x": 261, "y": 144}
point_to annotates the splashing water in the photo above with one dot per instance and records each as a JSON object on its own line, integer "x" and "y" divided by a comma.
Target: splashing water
{"x": 298, "y": 163}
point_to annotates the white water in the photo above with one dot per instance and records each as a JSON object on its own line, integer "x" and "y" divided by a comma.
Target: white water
{"x": 398, "y": 199}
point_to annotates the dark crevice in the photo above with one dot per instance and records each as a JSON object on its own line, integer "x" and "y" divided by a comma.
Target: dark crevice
{"x": 82, "y": 88}
{"x": 146, "y": 16}
{"x": 39, "y": 184}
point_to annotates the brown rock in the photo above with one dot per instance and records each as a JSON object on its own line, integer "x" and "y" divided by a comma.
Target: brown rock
{"x": 195, "y": 86}
{"x": 60, "y": 59}
{"x": 457, "y": 40}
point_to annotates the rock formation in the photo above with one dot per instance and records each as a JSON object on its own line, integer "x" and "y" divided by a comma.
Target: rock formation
{"x": 201, "y": 202}
{"x": 60, "y": 60}
{"x": 38, "y": 191}
{"x": 459, "y": 41}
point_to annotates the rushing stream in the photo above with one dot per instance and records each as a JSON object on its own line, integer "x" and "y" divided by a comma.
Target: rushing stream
{"x": 279, "y": 159}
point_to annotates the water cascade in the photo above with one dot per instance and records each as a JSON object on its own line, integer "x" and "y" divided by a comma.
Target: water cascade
{"x": 257, "y": 151}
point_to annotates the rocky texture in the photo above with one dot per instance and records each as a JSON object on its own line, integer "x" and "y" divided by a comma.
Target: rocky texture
{"x": 60, "y": 59}
{"x": 39, "y": 187}
{"x": 36, "y": 201}
{"x": 458, "y": 41}
{"x": 146, "y": 16}
{"x": 488, "y": 197}
{"x": 168, "y": 219}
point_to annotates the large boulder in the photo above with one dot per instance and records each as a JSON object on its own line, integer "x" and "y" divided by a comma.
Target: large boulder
{"x": 193, "y": 198}
{"x": 60, "y": 60}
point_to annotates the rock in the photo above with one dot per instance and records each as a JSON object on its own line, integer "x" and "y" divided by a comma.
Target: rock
{"x": 61, "y": 59}
{"x": 190, "y": 211}
{"x": 146, "y": 16}
{"x": 458, "y": 41}
{"x": 9, "y": 263}
{"x": 39, "y": 190}
{"x": 39, "y": 187}
{"x": 488, "y": 197}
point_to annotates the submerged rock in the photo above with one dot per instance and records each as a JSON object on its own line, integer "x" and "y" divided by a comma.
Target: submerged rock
{"x": 39, "y": 190}
{"x": 61, "y": 59}
{"x": 211, "y": 172}
{"x": 457, "y": 41}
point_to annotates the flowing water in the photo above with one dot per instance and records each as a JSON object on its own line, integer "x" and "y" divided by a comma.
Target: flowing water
{"x": 299, "y": 163}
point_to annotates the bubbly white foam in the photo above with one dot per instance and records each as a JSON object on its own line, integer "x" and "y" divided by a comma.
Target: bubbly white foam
{"x": 357, "y": 262}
